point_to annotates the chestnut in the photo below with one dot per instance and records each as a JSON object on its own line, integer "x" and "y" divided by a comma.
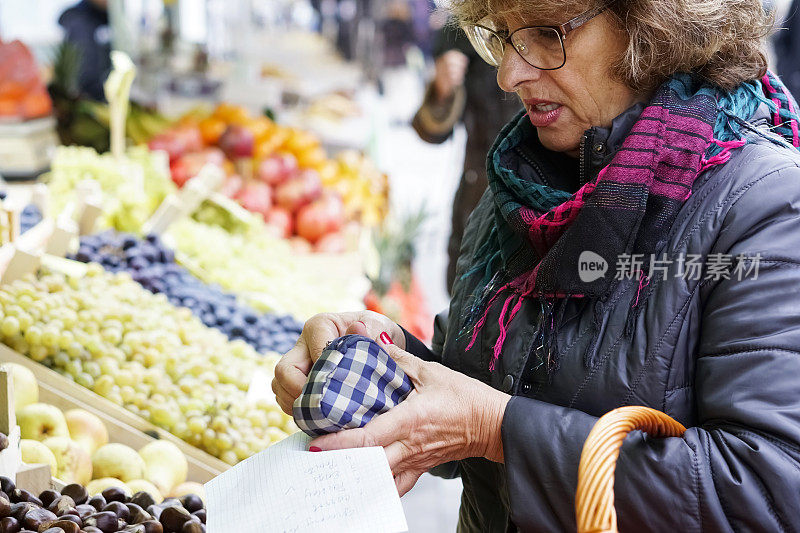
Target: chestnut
{"x": 98, "y": 502}
{"x": 114, "y": 494}
{"x": 173, "y": 518}
{"x": 143, "y": 499}
{"x": 76, "y": 492}
{"x": 9, "y": 524}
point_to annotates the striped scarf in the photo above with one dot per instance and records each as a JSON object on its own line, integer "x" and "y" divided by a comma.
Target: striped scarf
{"x": 541, "y": 233}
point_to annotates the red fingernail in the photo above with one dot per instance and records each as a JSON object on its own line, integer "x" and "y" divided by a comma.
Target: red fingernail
{"x": 385, "y": 338}
{"x": 314, "y": 449}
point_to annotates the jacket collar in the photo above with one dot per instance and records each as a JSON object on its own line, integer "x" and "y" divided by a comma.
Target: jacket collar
{"x": 599, "y": 145}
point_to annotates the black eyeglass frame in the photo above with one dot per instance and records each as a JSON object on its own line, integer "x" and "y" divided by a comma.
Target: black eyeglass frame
{"x": 562, "y": 30}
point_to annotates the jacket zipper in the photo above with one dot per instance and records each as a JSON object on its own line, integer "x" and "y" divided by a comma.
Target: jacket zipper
{"x": 584, "y": 158}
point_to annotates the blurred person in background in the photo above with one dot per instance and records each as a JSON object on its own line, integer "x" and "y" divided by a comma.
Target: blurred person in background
{"x": 786, "y": 42}
{"x": 464, "y": 88}
{"x": 86, "y": 26}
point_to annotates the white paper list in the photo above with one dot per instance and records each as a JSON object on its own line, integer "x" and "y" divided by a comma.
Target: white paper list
{"x": 288, "y": 489}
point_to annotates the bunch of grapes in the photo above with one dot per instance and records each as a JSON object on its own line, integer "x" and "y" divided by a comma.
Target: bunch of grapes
{"x": 107, "y": 333}
{"x": 266, "y": 273}
{"x": 153, "y": 265}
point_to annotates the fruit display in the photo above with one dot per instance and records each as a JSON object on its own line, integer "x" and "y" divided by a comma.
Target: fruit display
{"x": 76, "y": 508}
{"x": 152, "y": 264}
{"x": 131, "y": 188}
{"x": 108, "y": 334}
{"x": 268, "y": 276}
{"x": 283, "y": 174}
{"x": 22, "y": 94}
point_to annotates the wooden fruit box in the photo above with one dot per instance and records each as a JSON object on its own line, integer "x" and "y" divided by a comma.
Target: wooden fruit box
{"x": 123, "y": 426}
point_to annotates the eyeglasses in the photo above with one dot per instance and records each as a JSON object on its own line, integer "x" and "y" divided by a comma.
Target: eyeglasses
{"x": 541, "y": 47}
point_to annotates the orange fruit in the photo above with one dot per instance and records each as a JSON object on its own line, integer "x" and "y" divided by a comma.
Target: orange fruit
{"x": 211, "y": 129}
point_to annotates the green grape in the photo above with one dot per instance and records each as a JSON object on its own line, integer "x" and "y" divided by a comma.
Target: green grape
{"x": 38, "y": 353}
{"x": 85, "y": 380}
{"x": 10, "y": 326}
{"x": 33, "y": 335}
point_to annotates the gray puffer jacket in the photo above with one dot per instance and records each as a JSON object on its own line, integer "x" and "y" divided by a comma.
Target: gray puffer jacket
{"x": 720, "y": 356}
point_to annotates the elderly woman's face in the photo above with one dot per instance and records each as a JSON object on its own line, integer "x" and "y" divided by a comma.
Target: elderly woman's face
{"x": 563, "y": 103}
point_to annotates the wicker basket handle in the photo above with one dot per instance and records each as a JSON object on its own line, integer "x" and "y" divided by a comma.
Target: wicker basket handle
{"x": 594, "y": 501}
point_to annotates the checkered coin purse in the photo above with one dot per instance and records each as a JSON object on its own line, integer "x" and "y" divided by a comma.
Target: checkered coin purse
{"x": 353, "y": 381}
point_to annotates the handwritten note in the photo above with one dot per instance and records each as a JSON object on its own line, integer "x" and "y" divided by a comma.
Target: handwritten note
{"x": 288, "y": 489}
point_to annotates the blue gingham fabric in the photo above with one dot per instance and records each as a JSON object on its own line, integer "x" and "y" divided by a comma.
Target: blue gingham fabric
{"x": 353, "y": 381}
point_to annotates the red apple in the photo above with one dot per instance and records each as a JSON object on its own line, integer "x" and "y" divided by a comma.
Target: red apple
{"x": 332, "y": 243}
{"x": 237, "y": 142}
{"x": 256, "y": 197}
{"x": 231, "y": 186}
{"x": 298, "y": 191}
{"x": 320, "y": 217}
{"x": 281, "y": 219}
{"x": 270, "y": 171}
{"x": 289, "y": 163}
{"x": 300, "y": 245}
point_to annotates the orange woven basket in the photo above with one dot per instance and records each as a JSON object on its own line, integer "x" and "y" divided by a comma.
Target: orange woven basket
{"x": 594, "y": 501}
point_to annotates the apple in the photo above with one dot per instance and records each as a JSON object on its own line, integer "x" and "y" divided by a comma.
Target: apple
{"x": 281, "y": 219}
{"x": 39, "y": 421}
{"x": 142, "y": 485}
{"x": 237, "y": 142}
{"x": 26, "y": 390}
{"x": 74, "y": 463}
{"x": 299, "y": 191}
{"x": 332, "y": 243}
{"x": 96, "y": 486}
{"x": 117, "y": 461}
{"x": 300, "y": 245}
{"x": 86, "y": 429}
{"x": 34, "y": 452}
{"x": 189, "y": 487}
{"x": 256, "y": 197}
{"x": 270, "y": 171}
{"x": 320, "y": 217}
{"x": 231, "y": 186}
{"x": 277, "y": 169}
{"x": 166, "y": 466}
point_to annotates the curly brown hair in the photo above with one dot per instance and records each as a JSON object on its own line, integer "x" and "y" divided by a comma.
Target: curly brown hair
{"x": 721, "y": 40}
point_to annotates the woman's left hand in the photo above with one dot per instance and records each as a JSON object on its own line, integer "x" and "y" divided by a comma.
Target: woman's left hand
{"x": 448, "y": 416}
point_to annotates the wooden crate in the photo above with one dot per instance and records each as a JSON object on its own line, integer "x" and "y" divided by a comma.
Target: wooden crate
{"x": 123, "y": 426}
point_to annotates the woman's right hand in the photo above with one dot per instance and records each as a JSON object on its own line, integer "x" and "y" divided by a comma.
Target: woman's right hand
{"x": 293, "y": 368}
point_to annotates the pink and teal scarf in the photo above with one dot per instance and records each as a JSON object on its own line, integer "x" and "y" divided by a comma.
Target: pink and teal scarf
{"x": 540, "y": 232}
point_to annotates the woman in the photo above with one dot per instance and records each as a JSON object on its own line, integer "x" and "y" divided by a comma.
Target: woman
{"x": 654, "y": 143}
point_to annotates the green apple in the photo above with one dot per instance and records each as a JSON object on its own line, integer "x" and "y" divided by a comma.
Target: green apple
{"x": 166, "y": 466}
{"x": 39, "y": 421}
{"x": 26, "y": 390}
{"x": 118, "y": 461}
{"x": 74, "y": 464}
{"x": 86, "y": 429}
{"x": 34, "y": 452}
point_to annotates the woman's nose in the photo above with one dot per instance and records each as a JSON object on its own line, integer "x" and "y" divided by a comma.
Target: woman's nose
{"x": 514, "y": 70}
